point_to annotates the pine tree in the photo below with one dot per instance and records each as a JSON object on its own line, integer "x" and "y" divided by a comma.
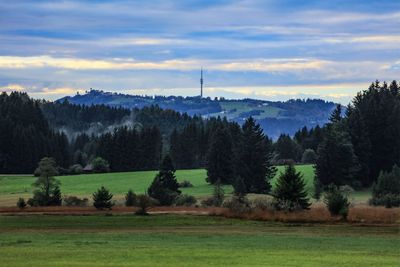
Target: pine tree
{"x": 55, "y": 199}
{"x": 130, "y": 199}
{"x": 239, "y": 187}
{"x": 254, "y": 159}
{"x": 218, "y": 194}
{"x": 220, "y": 158}
{"x": 290, "y": 192}
{"x": 287, "y": 149}
{"x": 336, "y": 115}
{"x": 102, "y": 199}
{"x": 165, "y": 187}
{"x": 336, "y": 162}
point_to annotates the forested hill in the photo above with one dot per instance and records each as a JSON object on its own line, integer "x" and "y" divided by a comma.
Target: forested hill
{"x": 274, "y": 117}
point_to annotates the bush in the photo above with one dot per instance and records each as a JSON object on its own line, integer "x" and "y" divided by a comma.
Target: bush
{"x": 185, "y": 200}
{"x": 75, "y": 169}
{"x": 217, "y": 199}
{"x": 100, "y": 165}
{"x": 185, "y": 184}
{"x": 102, "y": 199}
{"x": 159, "y": 191}
{"x": 144, "y": 202}
{"x": 262, "y": 204}
{"x": 238, "y": 205}
{"x": 31, "y": 202}
{"x": 130, "y": 199}
{"x": 386, "y": 191}
{"x": 21, "y": 203}
{"x": 73, "y": 201}
{"x": 388, "y": 200}
{"x": 309, "y": 156}
{"x": 336, "y": 202}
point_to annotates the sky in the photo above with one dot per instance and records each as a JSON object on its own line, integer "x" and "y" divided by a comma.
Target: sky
{"x": 265, "y": 49}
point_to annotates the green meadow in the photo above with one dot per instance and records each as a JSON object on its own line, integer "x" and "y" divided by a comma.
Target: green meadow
{"x": 168, "y": 240}
{"x": 14, "y": 186}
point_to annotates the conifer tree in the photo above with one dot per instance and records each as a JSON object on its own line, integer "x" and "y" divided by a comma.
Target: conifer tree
{"x": 254, "y": 159}
{"x": 220, "y": 158}
{"x": 336, "y": 162}
{"x": 130, "y": 199}
{"x": 55, "y": 199}
{"x": 165, "y": 187}
{"x": 102, "y": 199}
{"x": 336, "y": 115}
{"x": 239, "y": 187}
{"x": 218, "y": 194}
{"x": 290, "y": 192}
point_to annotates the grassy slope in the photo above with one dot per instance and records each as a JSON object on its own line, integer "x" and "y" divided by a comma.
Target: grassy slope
{"x": 12, "y": 187}
{"x": 228, "y": 106}
{"x": 166, "y": 240}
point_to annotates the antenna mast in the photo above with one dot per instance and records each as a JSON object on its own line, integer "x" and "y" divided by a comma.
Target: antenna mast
{"x": 201, "y": 83}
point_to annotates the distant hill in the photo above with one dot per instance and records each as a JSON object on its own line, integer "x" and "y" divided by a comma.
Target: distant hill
{"x": 275, "y": 117}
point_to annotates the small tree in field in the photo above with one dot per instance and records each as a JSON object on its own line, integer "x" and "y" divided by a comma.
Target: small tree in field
{"x": 165, "y": 187}
{"x": 386, "y": 191}
{"x": 290, "y": 193}
{"x": 239, "y": 187}
{"x": 102, "y": 199}
{"x": 143, "y": 202}
{"x": 21, "y": 203}
{"x": 56, "y": 199}
{"x": 336, "y": 202}
{"x": 130, "y": 199}
{"x": 218, "y": 194}
{"x": 47, "y": 191}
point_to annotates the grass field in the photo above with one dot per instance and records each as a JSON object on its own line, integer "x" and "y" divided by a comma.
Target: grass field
{"x": 240, "y": 107}
{"x": 168, "y": 240}
{"x": 13, "y": 187}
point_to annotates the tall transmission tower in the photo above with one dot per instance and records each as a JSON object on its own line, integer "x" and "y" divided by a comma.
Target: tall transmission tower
{"x": 201, "y": 83}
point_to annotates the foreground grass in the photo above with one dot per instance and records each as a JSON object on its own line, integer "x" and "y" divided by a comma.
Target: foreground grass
{"x": 167, "y": 240}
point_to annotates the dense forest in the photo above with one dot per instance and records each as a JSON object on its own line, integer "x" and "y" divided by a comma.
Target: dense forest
{"x": 359, "y": 142}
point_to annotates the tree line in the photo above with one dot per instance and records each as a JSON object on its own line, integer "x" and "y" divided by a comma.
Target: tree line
{"x": 360, "y": 141}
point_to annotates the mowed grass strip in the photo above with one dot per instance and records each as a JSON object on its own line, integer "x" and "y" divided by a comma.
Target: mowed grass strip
{"x": 166, "y": 240}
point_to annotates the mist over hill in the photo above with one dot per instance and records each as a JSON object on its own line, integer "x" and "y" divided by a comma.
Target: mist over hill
{"x": 275, "y": 117}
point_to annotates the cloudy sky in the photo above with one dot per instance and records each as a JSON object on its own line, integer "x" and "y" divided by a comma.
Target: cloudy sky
{"x": 268, "y": 49}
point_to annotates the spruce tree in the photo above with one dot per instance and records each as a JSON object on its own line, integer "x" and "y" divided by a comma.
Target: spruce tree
{"x": 336, "y": 115}
{"x": 218, "y": 194}
{"x": 102, "y": 199}
{"x": 290, "y": 192}
{"x": 130, "y": 199}
{"x": 254, "y": 159}
{"x": 55, "y": 199}
{"x": 239, "y": 187}
{"x": 165, "y": 187}
{"x": 336, "y": 162}
{"x": 220, "y": 158}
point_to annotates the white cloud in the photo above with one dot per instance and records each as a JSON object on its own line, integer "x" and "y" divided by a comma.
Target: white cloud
{"x": 260, "y": 65}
